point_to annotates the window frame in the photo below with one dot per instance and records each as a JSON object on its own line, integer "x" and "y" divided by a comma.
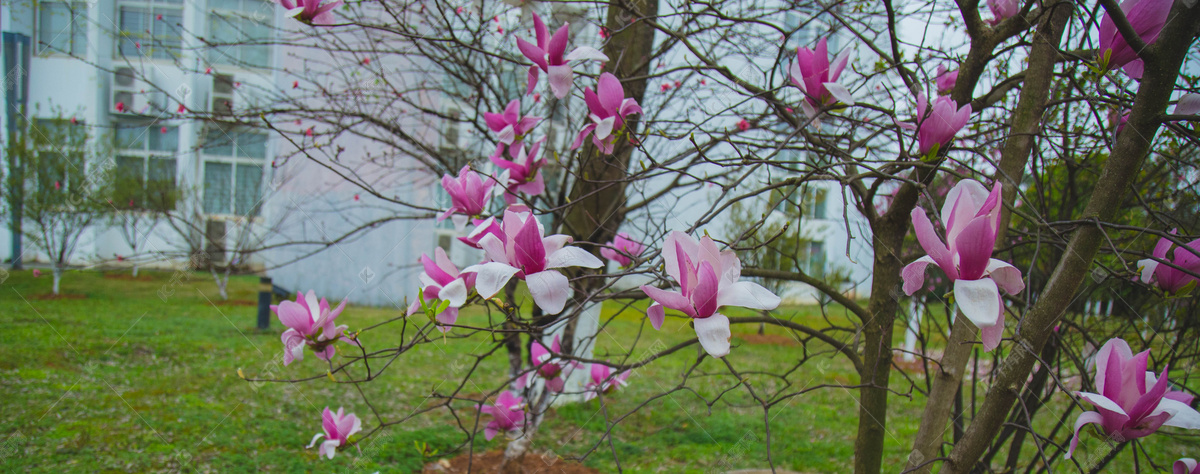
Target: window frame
{"x": 219, "y": 55}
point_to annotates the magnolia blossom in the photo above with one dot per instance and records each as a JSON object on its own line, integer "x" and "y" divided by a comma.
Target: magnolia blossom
{"x": 1186, "y": 466}
{"x": 547, "y": 55}
{"x": 507, "y": 415}
{"x": 1168, "y": 278}
{"x": 510, "y": 127}
{"x": 1132, "y": 402}
{"x": 548, "y": 367}
{"x": 817, "y": 77}
{"x": 338, "y": 427}
{"x": 971, "y": 216}
{"x": 311, "y": 11}
{"x": 310, "y": 323}
{"x": 945, "y": 79}
{"x": 603, "y": 382}
{"x": 938, "y": 129}
{"x": 622, "y": 249}
{"x": 521, "y": 175}
{"x": 708, "y": 280}
{"x": 442, "y": 281}
{"x": 1003, "y": 9}
{"x": 609, "y": 107}
{"x": 469, "y": 194}
{"x": 521, "y": 250}
{"x": 1147, "y": 18}
{"x": 1189, "y": 104}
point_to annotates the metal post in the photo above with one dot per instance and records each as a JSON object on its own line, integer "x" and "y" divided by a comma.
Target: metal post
{"x": 264, "y": 302}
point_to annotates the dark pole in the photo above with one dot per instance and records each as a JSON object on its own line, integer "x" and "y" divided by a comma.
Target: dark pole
{"x": 264, "y": 302}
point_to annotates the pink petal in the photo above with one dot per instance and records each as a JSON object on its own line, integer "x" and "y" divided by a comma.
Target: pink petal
{"x": 1085, "y": 418}
{"x": 656, "y": 315}
{"x": 670, "y": 299}
{"x": 610, "y": 93}
{"x": 914, "y": 274}
{"x": 532, "y": 52}
{"x": 1006, "y": 276}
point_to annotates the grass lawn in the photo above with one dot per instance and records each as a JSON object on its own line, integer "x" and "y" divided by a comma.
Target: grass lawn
{"x": 123, "y": 381}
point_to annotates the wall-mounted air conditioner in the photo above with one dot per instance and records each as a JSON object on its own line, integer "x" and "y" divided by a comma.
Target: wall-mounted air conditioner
{"x": 132, "y": 93}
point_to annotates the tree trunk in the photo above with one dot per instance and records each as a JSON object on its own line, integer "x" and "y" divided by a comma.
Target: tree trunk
{"x": 135, "y": 270}
{"x": 58, "y": 273}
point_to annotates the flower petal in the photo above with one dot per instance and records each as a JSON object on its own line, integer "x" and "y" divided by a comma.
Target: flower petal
{"x": 713, "y": 333}
{"x": 491, "y": 277}
{"x": 840, "y": 93}
{"x": 550, "y": 290}
{"x": 1006, "y": 276}
{"x": 656, "y": 315}
{"x": 747, "y": 295}
{"x": 585, "y": 53}
{"x": 914, "y": 274}
{"x": 561, "y": 77}
{"x": 455, "y": 292}
{"x": 979, "y": 301}
{"x": 1182, "y": 415}
{"x": 670, "y": 299}
{"x": 572, "y": 257}
{"x": 1085, "y": 418}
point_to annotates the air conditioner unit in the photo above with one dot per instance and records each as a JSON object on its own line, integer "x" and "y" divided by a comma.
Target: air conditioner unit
{"x": 133, "y": 94}
{"x": 221, "y": 101}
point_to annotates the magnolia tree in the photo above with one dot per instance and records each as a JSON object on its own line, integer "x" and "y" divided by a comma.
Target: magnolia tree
{"x": 1015, "y": 162}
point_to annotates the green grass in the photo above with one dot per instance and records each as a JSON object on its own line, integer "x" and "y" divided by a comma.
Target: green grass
{"x": 123, "y": 381}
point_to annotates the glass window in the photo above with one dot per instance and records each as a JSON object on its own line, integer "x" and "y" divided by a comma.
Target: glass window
{"x": 164, "y": 139}
{"x": 241, "y": 32}
{"x": 62, "y": 27}
{"x": 150, "y": 28}
{"x": 145, "y": 170}
{"x": 218, "y": 142}
{"x": 248, "y": 189}
{"x": 217, "y": 180}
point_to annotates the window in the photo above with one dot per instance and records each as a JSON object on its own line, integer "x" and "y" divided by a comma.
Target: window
{"x": 814, "y": 263}
{"x": 240, "y": 31}
{"x": 62, "y": 27}
{"x": 233, "y": 171}
{"x": 150, "y": 28}
{"x": 813, "y": 203}
{"x": 60, "y": 164}
{"x": 145, "y": 165}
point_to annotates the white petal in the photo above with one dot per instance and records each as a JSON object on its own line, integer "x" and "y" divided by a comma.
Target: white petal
{"x": 460, "y": 222}
{"x": 490, "y": 277}
{"x": 315, "y": 438}
{"x": 714, "y": 334}
{"x": 572, "y": 257}
{"x": 1148, "y": 266}
{"x": 507, "y": 135}
{"x": 840, "y": 93}
{"x": 585, "y": 53}
{"x": 493, "y": 247}
{"x": 604, "y": 128}
{"x": 747, "y": 295}
{"x": 979, "y": 301}
{"x": 1005, "y": 275}
{"x": 1100, "y": 401}
{"x": 1189, "y": 104}
{"x": 1182, "y": 416}
{"x": 455, "y": 293}
{"x": 294, "y": 12}
{"x": 550, "y": 290}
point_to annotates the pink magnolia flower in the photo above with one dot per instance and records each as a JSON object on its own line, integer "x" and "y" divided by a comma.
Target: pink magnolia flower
{"x": 469, "y": 195}
{"x": 609, "y": 107}
{"x": 1132, "y": 403}
{"x": 1003, "y": 9}
{"x": 1147, "y": 18}
{"x": 507, "y": 415}
{"x": 1186, "y": 466}
{"x": 938, "y": 129}
{"x": 547, "y": 55}
{"x": 310, "y": 323}
{"x": 521, "y": 175}
{"x": 510, "y": 127}
{"x": 708, "y": 281}
{"x": 945, "y": 79}
{"x": 338, "y": 427}
{"x": 310, "y": 12}
{"x": 603, "y": 381}
{"x": 971, "y": 216}
{"x": 622, "y": 249}
{"x": 521, "y": 251}
{"x": 442, "y": 281}
{"x": 1170, "y": 279}
{"x": 550, "y": 368}
{"x": 817, "y": 77}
